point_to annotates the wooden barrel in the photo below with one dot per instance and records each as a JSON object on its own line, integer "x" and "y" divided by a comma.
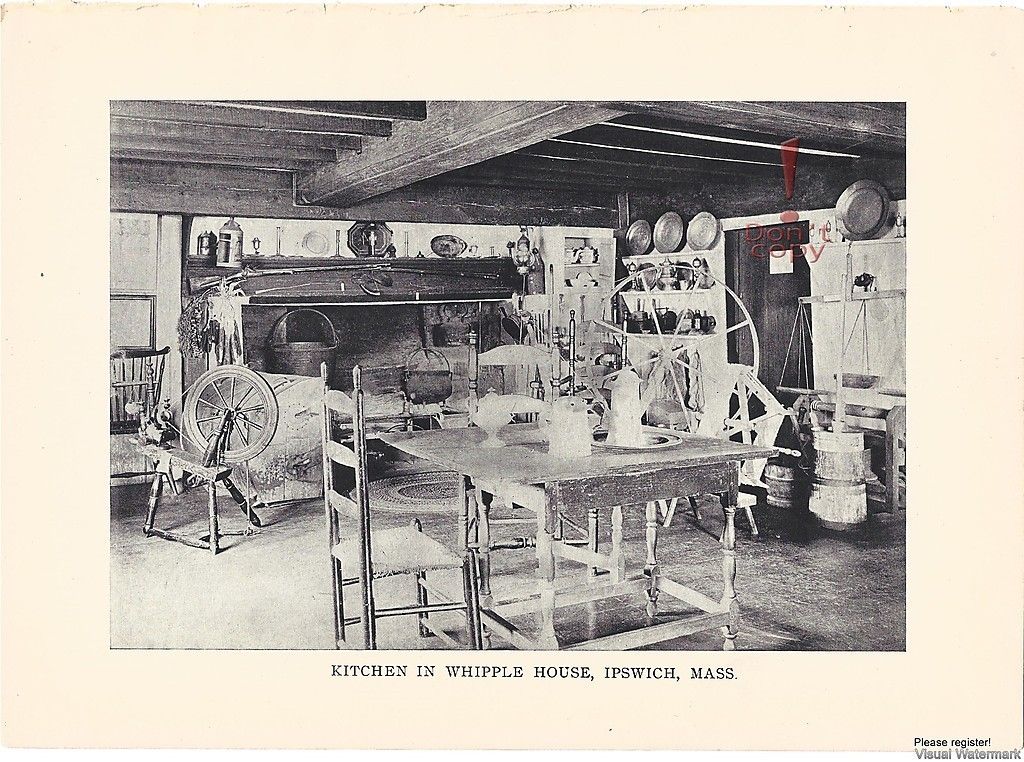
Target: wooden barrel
{"x": 838, "y": 497}
{"x": 785, "y": 485}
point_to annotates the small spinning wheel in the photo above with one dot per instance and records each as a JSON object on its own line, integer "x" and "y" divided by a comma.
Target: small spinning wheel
{"x": 238, "y": 396}
{"x": 673, "y": 349}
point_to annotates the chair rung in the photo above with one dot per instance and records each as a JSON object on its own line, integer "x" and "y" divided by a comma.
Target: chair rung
{"x": 402, "y": 610}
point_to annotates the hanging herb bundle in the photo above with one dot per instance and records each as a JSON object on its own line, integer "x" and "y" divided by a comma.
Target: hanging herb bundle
{"x": 193, "y": 326}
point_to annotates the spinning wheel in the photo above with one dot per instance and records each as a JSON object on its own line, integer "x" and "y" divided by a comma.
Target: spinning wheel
{"x": 238, "y": 401}
{"x": 673, "y": 368}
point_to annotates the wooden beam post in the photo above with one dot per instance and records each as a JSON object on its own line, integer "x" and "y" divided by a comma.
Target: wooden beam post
{"x": 455, "y": 134}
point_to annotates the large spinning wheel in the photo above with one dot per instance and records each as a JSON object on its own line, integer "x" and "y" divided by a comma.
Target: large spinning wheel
{"x": 236, "y": 400}
{"x": 673, "y": 366}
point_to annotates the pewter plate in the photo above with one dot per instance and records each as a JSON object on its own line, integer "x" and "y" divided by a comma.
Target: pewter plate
{"x": 654, "y": 439}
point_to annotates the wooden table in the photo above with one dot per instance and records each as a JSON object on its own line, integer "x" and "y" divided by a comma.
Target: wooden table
{"x": 522, "y": 472}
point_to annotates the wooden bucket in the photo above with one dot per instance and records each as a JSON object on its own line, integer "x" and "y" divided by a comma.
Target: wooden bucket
{"x": 838, "y": 496}
{"x": 785, "y": 485}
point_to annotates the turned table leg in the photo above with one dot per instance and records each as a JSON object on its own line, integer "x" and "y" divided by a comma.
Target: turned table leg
{"x": 729, "y": 601}
{"x": 651, "y": 564}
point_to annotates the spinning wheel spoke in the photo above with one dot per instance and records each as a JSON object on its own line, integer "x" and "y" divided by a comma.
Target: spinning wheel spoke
{"x": 736, "y": 327}
{"x": 246, "y": 395}
{"x": 251, "y": 423}
{"x": 208, "y": 418}
{"x": 232, "y": 394}
{"x": 210, "y": 404}
{"x": 217, "y": 389}
{"x": 241, "y": 434}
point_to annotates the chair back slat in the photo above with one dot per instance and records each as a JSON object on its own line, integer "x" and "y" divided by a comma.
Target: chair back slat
{"x": 515, "y": 354}
{"x": 343, "y": 505}
{"x": 340, "y": 454}
{"x": 339, "y": 402}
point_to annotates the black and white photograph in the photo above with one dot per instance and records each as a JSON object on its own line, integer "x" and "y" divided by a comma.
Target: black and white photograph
{"x": 530, "y": 375}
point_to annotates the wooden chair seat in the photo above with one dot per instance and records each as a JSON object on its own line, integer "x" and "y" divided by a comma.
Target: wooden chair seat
{"x": 399, "y": 550}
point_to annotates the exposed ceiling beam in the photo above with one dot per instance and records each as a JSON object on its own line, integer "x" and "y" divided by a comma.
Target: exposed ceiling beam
{"x": 254, "y": 162}
{"x": 849, "y": 125}
{"x": 142, "y": 128}
{"x": 413, "y": 110}
{"x": 222, "y": 149}
{"x": 230, "y": 116}
{"x": 455, "y": 134}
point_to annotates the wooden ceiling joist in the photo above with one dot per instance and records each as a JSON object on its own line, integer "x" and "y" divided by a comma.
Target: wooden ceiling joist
{"x": 207, "y": 133}
{"x": 189, "y": 112}
{"x": 412, "y": 110}
{"x": 455, "y": 134}
{"x": 832, "y": 124}
{"x": 222, "y": 149}
{"x": 170, "y": 157}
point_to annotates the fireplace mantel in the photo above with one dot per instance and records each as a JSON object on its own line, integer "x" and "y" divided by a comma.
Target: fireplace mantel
{"x": 348, "y": 281}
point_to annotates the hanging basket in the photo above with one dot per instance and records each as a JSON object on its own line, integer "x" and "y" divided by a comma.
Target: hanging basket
{"x": 300, "y": 358}
{"x": 428, "y": 383}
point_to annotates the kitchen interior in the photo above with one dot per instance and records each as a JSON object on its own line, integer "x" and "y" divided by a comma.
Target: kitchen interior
{"x": 508, "y": 375}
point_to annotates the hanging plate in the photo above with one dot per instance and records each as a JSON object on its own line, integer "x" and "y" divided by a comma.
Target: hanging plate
{"x": 447, "y": 246}
{"x": 668, "y": 233}
{"x": 865, "y": 211}
{"x": 703, "y": 231}
{"x": 638, "y": 238}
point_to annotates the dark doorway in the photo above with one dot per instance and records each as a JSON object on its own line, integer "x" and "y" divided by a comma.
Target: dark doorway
{"x": 771, "y": 298}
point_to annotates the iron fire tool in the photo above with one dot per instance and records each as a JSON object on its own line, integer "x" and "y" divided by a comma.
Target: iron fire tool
{"x": 247, "y": 272}
{"x": 212, "y": 456}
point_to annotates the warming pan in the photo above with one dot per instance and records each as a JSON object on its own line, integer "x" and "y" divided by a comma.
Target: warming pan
{"x": 865, "y": 211}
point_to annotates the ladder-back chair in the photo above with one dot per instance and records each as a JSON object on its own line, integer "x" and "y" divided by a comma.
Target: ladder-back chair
{"x": 371, "y": 555}
{"x": 136, "y": 376}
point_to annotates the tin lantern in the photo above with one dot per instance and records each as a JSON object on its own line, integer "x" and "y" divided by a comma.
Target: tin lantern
{"x": 229, "y": 245}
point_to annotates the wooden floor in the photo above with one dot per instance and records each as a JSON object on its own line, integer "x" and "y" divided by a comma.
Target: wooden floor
{"x": 798, "y": 590}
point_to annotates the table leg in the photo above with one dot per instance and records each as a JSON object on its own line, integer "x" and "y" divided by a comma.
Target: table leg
{"x": 546, "y": 638}
{"x": 618, "y": 556}
{"x": 483, "y": 534}
{"x": 592, "y": 539}
{"x": 651, "y": 565}
{"x": 154, "y": 498}
{"x": 729, "y": 600}
{"x": 212, "y": 489}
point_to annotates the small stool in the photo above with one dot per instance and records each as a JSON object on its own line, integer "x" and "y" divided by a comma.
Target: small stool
{"x": 163, "y": 460}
